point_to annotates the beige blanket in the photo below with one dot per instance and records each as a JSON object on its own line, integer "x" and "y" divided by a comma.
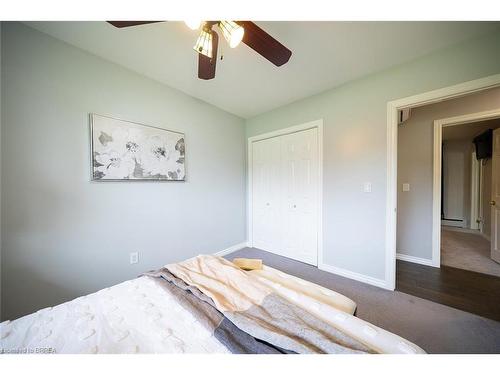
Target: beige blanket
{"x": 252, "y": 305}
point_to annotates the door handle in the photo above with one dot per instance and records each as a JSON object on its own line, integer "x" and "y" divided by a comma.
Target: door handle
{"x": 492, "y": 203}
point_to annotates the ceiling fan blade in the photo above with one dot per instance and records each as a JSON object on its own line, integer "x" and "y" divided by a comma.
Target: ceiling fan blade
{"x": 122, "y": 24}
{"x": 264, "y": 44}
{"x": 206, "y": 65}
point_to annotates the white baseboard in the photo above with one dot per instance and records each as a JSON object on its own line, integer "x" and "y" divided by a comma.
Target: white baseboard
{"x": 409, "y": 258}
{"x": 463, "y": 230}
{"x": 231, "y": 249}
{"x": 354, "y": 275}
{"x": 453, "y": 223}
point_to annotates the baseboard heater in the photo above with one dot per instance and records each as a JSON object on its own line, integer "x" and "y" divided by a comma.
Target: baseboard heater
{"x": 453, "y": 222}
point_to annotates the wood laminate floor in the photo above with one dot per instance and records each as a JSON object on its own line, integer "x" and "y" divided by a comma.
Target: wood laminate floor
{"x": 469, "y": 291}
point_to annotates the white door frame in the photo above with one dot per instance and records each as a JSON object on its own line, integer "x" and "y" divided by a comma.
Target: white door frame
{"x": 392, "y": 155}
{"x": 474, "y": 191}
{"x": 481, "y": 199}
{"x": 436, "y": 178}
{"x": 293, "y": 129}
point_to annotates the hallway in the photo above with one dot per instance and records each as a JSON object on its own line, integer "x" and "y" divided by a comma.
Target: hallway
{"x": 468, "y": 251}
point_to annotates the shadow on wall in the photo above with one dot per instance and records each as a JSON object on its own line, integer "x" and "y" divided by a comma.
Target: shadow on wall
{"x": 43, "y": 293}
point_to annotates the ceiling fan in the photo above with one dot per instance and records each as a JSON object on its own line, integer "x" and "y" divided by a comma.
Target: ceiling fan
{"x": 234, "y": 32}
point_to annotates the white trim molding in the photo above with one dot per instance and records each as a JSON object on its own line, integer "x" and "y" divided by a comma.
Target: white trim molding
{"x": 392, "y": 157}
{"x": 475, "y": 193}
{"x": 354, "y": 275}
{"x": 292, "y": 129}
{"x": 410, "y": 258}
{"x": 231, "y": 249}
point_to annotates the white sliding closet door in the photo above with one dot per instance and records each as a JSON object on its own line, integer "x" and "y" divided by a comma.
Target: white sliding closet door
{"x": 266, "y": 194}
{"x": 285, "y": 195}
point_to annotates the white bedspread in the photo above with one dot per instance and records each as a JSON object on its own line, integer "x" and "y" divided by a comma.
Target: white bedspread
{"x": 140, "y": 316}
{"x": 137, "y": 316}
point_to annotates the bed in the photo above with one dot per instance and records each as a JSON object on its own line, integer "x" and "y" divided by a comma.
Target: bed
{"x": 203, "y": 305}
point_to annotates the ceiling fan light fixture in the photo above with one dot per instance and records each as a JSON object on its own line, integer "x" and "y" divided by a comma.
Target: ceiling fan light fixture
{"x": 204, "y": 43}
{"x": 193, "y": 24}
{"x": 232, "y": 32}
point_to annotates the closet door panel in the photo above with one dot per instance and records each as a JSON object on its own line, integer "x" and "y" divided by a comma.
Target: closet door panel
{"x": 267, "y": 187}
{"x": 300, "y": 169}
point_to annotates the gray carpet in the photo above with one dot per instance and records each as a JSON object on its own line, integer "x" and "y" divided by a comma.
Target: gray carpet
{"x": 468, "y": 251}
{"x": 435, "y": 328}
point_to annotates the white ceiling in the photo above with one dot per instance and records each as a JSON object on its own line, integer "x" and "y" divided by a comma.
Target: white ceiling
{"x": 468, "y": 131}
{"x": 325, "y": 55}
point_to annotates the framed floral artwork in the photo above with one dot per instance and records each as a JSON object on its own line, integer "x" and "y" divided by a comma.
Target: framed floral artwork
{"x": 124, "y": 151}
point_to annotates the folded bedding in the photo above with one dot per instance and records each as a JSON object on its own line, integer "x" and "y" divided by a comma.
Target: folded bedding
{"x": 203, "y": 310}
{"x": 286, "y": 320}
{"x": 203, "y": 305}
{"x": 298, "y": 290}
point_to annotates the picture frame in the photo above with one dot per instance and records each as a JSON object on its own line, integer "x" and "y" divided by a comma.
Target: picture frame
{"x": 123, "y": 150}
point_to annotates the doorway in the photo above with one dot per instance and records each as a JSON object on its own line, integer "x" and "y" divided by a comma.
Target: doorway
{"x": 445, "y": 205}
{"x": 467, "y": 173}
{"x": 394, "y": 109}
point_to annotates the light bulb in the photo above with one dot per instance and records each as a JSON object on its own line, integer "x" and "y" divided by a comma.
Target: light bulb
{"x": 232, "y": 32}
{"x": 193, "y": 24}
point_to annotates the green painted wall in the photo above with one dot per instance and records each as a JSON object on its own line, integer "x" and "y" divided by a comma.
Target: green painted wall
{"x": 355, "y": 144}
{"x": 64, "y": 236}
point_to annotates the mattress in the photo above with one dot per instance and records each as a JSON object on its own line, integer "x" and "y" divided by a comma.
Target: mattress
{"x": 142, "y": 316}
{"x": 136, "y": 316}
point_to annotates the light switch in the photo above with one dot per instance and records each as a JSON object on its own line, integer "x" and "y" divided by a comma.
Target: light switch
{"x": 367, "y": 187}
{"x": 406, "y": 186}
{"x": 134, "y": 258}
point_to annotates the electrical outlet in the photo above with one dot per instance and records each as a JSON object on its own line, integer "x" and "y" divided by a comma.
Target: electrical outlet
{"x": 406, "y": 186}
{"x": 134, "y": 258}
